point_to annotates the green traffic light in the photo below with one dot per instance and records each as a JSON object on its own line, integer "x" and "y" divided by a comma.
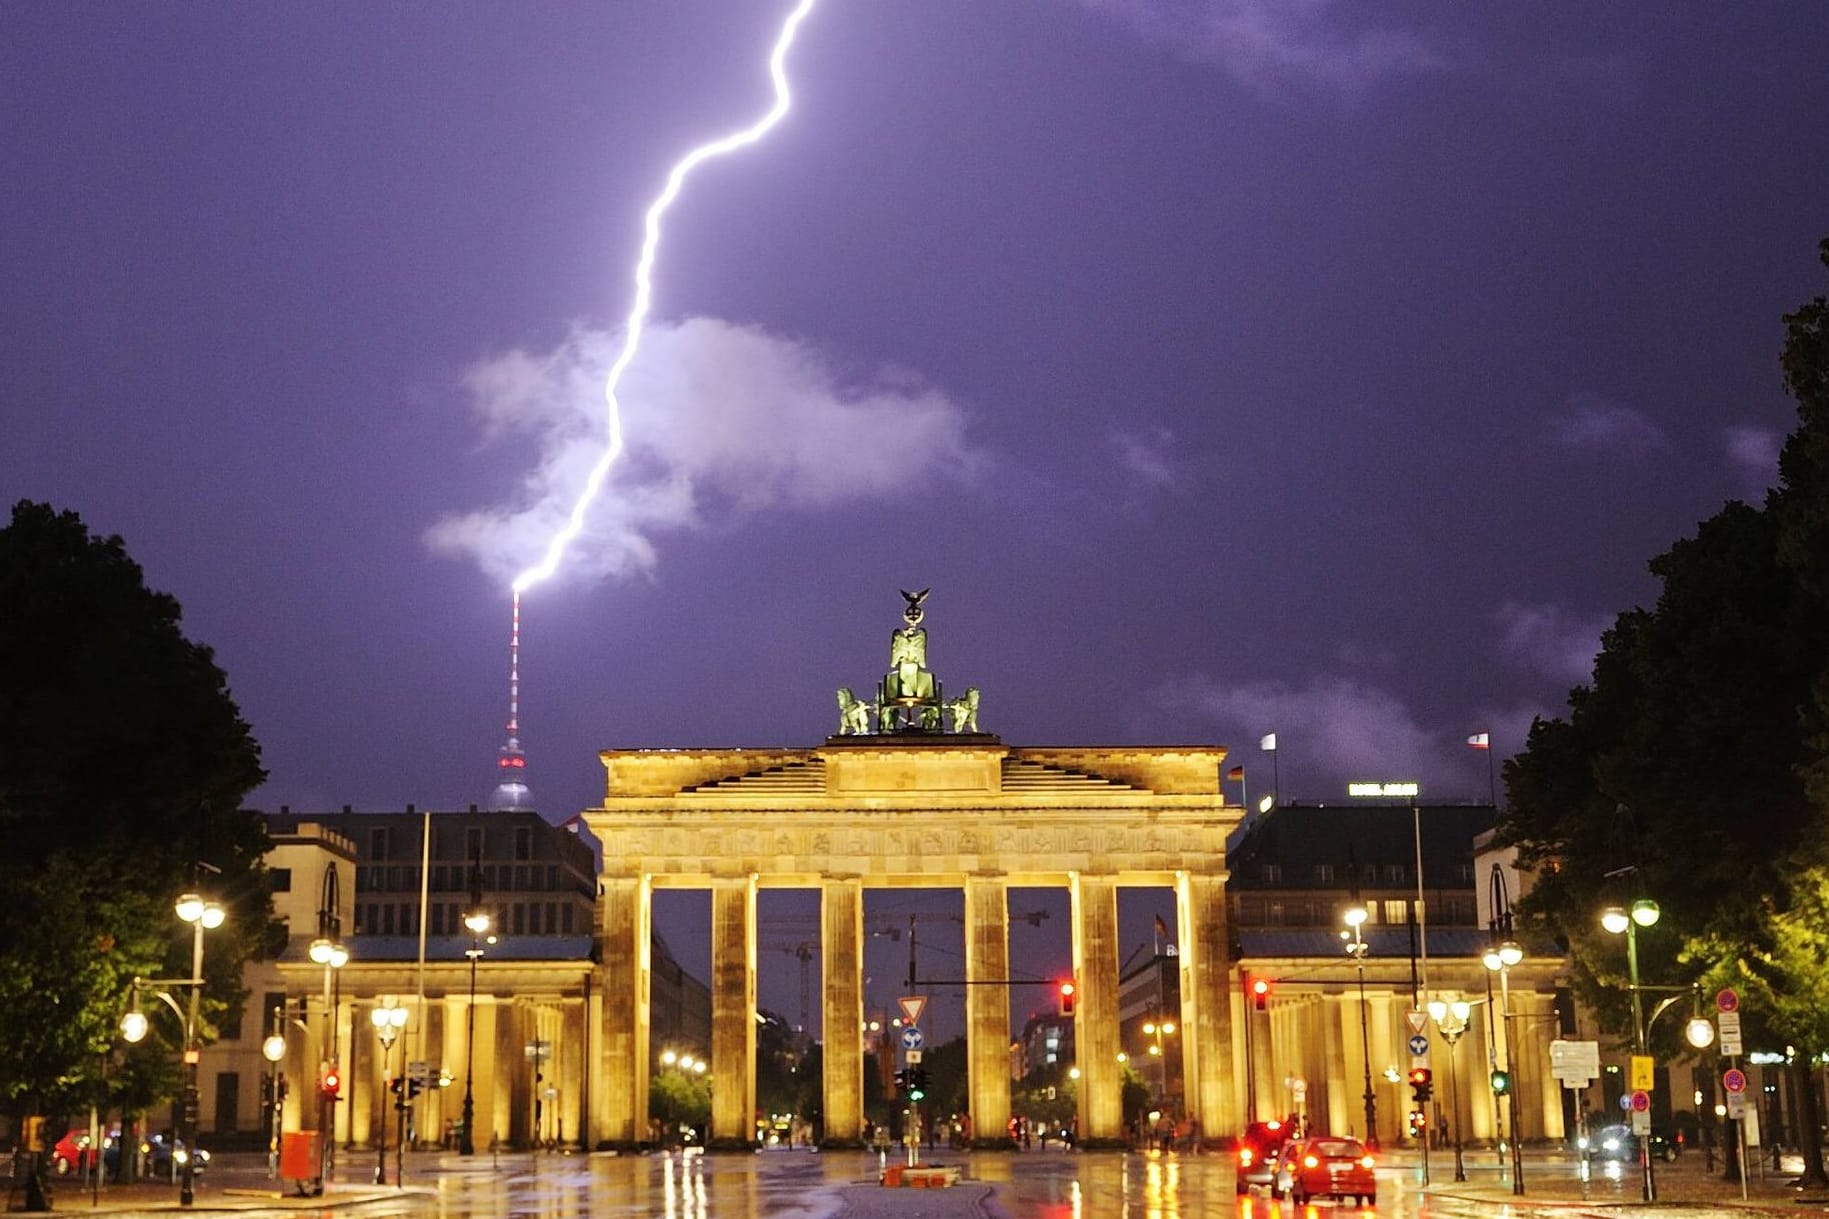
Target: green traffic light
{"x": 1501, "y": 1082}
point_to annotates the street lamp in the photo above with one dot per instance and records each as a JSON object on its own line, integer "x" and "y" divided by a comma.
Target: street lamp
{"x": 1355, "y": 916}
{"x": 328, "y": 950}
{"x": 1617, "y": 921}
{"x": 1155, "y": 1029}
{"x": 477, "y": 921}
{"x": 273, "y": 1049}
{"x": 1451, "y": 1021}
{"x": 388, "y": 1021}
{"x": 1502, "y": 953}
{"x": 201, "y": 914}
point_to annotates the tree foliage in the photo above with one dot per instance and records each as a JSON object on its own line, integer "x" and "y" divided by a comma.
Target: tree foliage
{"x": 125, "y": 765}
{"x": 1694, "y": 768}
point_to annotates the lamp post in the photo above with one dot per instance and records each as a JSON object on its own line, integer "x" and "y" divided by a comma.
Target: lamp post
{"x": 1618, "y": 921}
{"x": 273, "y": 1049}
{"x": 1355, "y": 916}
{"x": 1451, "y": 1021}
{"x": 1502, "y": 953}
{"x": 328, "y": 950}
{"x": 477, "y": 921}
{"x": 388, "y": 1021}
{"x": 1155, "y": 1029}
{"x": 200, "y": 914}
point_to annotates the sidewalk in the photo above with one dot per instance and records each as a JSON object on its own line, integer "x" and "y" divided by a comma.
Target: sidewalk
{"x": 234, "y": 1182}
{"x": 1553, "y": 1180}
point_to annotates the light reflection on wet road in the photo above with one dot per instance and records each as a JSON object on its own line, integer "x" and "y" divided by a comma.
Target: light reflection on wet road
{"x": 841, "y": 1185}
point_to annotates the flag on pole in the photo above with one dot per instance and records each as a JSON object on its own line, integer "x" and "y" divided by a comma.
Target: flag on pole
{"x": 1478, "y": 741}
{"x": 1236, "y": 774}
{"x": 1268, "y": 743}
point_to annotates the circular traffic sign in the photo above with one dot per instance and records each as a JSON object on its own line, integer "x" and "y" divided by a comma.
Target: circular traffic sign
{"x": 1641, "y": 1102}
{"x": 1734, "y": 1080}
{"x": 1419, "y": 1045}
{"x": 1625, "y": 1102}
{"x": 912, "y": 1038}
{"x": 1727, "y": 999}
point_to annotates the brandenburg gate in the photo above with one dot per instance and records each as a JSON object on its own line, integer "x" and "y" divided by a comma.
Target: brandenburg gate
{"x": 912, "y": 801}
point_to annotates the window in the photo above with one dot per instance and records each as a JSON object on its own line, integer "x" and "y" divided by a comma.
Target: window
{"x": 552, "y": 918}
{"x": 230, "y": 1028}
{"x": 1272, "y": 873}
{"x": 565, "y": 919}
{"x": 473, "y": 842}
{"x": 1464, "y": 873}
{"x": 281, "y": 878}
{"x": 520, "y": 919}
{"x": 1273, "y": 914}
{"x": 523, "y": 842}
{"x": 1396, "y": 911}
{"x": 1394, "y": 874}
{"x": 1324, "y": 873}
{"x": 387, "y": 919}
{"x": 377, "y": 843}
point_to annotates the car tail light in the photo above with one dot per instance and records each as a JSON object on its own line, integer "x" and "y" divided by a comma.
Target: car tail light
{"x": 1310, "y": 1162}
{"x": 1367, "y": 1161}
{"x": 1244, "y": 1155}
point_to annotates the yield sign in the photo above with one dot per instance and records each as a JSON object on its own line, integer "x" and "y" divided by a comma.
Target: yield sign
{"x": 1419, "y": 1021}
{"x": 912, "y": 1007}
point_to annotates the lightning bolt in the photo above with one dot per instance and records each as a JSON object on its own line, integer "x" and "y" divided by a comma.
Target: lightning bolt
{"x": 644, "y": 292}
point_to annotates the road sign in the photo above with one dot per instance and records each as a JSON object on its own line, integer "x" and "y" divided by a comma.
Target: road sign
{"x": 1573, "y": 1060}
{"x": 1641, "y": 1122}
{"x": 1729, "y": 1025}
{"x": 1736, "y": 1105}
{"x": 1419, "y": 1021}
{"x": 912, "y": 1007}
{"x": 1734, "y": 1080}
{"x": 1641, "y": 1101}
{"x": 1419, "y": 1045}
{"x": 1727, "y": 999}
{"x": 1644, "y": 1073}
{"x": 912, "y": 1037}
{"x": 1298, "y": 1088}
{"x": 419, "y": 1070}
{"x": 913, "y": 1058}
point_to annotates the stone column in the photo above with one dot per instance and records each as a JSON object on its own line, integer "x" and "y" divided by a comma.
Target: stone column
{"x": 620, "y": 1103}
{"x": 1213, "y": 1095}
{"x": 733, "y": 1013}
{"x": 1336, "y": 1114}
{"x": 841, "y": 919}
{"x": 987, "y": 1008}
{"x": 1095, "y": 1024}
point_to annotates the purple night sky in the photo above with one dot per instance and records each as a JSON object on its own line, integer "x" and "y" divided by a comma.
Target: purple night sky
{"x": 1224, "y": 366}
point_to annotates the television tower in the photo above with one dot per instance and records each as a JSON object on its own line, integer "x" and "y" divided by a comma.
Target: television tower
{"x": 510, "y": 763}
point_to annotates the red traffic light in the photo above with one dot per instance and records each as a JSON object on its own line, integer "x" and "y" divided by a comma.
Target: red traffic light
{"x": 1067, "y": 996}
{"x": 333, "y": 1083}
{"x": 1260, "y": 992}
{"x": 1421, "y": 1075}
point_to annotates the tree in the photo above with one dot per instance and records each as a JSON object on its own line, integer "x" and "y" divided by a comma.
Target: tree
{"x": 1694, "y": 768}
{"x": 124, "y": 770}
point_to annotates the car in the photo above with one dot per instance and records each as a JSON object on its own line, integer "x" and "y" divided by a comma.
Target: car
{"x": 1620, "y": 1144}
{"x": 162, "y": 1156}
{"x": 1327, "y": 1167}
{"x": 72, "y": 1154}
{"x": 1258, "y": 1150}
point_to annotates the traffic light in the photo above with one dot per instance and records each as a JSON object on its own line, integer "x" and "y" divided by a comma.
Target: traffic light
{"x": 414, "y": 1087}
{"x": 1501, "y": 1082}
{"x": 331, "y": 1085}
{"x": 1067, "y": 997}
{"x": 1260, "y": 993}
{"x": 901, "y": 1083}
{"x": 1419, "y": 1123}
{"x": 1421, "y": 1085}
{"x": 917, "y": 1083}
{"x": 393, "y": 1085}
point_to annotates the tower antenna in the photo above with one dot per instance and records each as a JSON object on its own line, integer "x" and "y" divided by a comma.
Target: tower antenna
{"x": 511, "y": 791}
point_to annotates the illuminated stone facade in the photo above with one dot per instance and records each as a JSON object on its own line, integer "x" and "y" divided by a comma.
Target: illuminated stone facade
{"x": 911, "y": 810}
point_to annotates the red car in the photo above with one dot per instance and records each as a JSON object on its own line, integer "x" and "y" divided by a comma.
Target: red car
{"x": 1327, "y": 1168}
{"x": 72, "y": 1153}
{"x": 1258, "y": 1149}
